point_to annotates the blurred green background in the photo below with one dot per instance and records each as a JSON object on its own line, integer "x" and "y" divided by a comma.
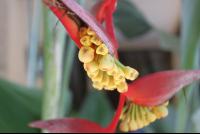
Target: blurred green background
{"x": 40, "y": 58}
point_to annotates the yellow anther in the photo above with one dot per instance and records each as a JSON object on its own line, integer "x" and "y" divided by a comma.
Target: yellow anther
{"x": 92, "y": 66}
{"x": 86, "y": 54}
{"x": 122, "y": 88}
{"x": 93, "y": 75}
{"x": 160, "y": 111}
{"x": 130, "y": 73}
{"x": 90, "y": 32}
{"x": 82, "y": 31}
{"x": 113, "y": 71}
{"x": 106, "y": 80}
{"x": 95, "y": 39}
{"x": 111, "y": 85}
{"x": 106, "y": 63}
{"x": 124, "y": 126}
{"x": 97, "y": 86}
{"x": 133, "y": 125}
{"x": 119, "y": 82}
{"x": 102, "y": 49}
{"x": 98, "y": 78}
{"x": 151, "y": 117}
{"x": 166, "y": 103}
{"x": 139, "y": 123}
{"x": 85, "y": 40}
{"x": 120, "y": 75}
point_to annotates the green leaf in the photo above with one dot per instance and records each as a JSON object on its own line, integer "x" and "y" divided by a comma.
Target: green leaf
{"x": 97, "y": 108}
{"x": 190, "y": 33}
{"x": 168, "y": 42}
{"x": 129, "y": 20}
{"x": 18, "y": 107}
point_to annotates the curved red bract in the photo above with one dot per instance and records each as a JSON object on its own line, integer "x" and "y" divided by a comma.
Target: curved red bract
{"x": 93, "y": 23}
{"x": 69, "y": 24}
{"x": 88, "y": 19}
{"x": 68, "y": 125}
{"x": 156, "y": 89}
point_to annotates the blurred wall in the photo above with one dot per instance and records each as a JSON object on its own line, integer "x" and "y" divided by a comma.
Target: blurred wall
{"x": 13, "y": 40}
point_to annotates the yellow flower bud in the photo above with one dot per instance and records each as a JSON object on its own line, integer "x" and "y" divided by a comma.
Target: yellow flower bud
{"x": 85, "y": 40}
{"x": 93, "y": 75}
{"x": 106, "y": 63}
{"x": 82, "y": 31}
{"x": 130, "y": 73}
{"x": 86, "y": 54}
{"x": 102, "y": 49}
{"x": 139, "y": 123}
{"x": 95, "y": 39}
{"x": 90, "y": 32}
{"x": 124, "y": 126}
{"x": 133, "y": 125}
{"x": 97, "y": 86}
{"x": 119, "y": 82}
{"x": 122, "y": 88}
{"x": 111, "y": 85}
{"x": 98, "y": 78}
{"x": 120, "y": 75}
{"x": 113, "y": 71}
{"x": 145, "y": 121}
{"x": 151, "y": 117}
{"x": 106, "y": 80}
{"x": 92, "y": 66}
{"x": 166, "y": 103}
{"x": 160, "y": 111}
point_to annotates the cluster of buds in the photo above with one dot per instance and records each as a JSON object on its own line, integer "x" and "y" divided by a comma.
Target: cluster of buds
{"x": 104, "y": 70}
{"x": 135, "y": 117}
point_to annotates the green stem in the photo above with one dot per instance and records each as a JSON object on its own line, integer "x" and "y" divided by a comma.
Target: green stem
{"x": 133, "y": 112}
{"x": 129, "y": 112}
{"x": 118, "y": 63}
{"x": 137, "y": 116}
{"x": 50, "y": 91}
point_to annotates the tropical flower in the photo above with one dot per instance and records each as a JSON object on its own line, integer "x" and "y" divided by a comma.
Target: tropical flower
{"x": 146, "y": 98}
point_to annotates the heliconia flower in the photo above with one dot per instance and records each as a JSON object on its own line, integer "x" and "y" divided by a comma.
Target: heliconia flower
{"x": 146, "y": 98}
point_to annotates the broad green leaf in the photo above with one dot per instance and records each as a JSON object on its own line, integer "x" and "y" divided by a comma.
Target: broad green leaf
{"x": 97, "y": 108}
{"x": 190, "y": 39}
{"x": 18, "y": 107}
{"x": 168, "y": 42}
{"x": 129, "y": 20}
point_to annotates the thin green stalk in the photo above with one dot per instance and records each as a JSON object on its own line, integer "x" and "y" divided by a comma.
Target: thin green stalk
{"x": 33, "y": 44}
{"x": 50, "y": 91}
{"x": 190, "y": 58}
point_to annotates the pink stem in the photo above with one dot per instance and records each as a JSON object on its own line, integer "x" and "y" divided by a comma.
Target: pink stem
{"x": 112, "y": 126}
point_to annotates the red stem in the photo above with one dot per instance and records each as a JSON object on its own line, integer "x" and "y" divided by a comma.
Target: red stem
{"x": 109, "y": 21}
{"x": 112, "y": 126}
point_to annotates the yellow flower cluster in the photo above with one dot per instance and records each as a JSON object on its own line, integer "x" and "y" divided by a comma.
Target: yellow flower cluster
{"x": 135, "y": 117}
{"x": 104, "y": 70}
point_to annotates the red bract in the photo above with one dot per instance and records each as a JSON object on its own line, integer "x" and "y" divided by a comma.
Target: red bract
{"x": 156, "y": 89}
{"x": 73, "y": 125}
{"x": 68, "y": 125}
{"x": 87, "y": 18}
